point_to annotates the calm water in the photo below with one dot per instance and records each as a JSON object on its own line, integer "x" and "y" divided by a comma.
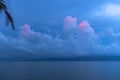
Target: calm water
{"x": 59, "y": 70}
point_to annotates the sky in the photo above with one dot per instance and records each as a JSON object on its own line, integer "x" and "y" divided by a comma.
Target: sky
{"x": 64, "y": 28}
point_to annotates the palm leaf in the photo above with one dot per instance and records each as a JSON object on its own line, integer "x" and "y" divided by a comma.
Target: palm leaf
{"x": 9, "y": 18}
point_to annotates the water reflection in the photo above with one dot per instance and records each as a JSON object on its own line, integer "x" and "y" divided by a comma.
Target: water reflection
{"x": 59, "y": 70}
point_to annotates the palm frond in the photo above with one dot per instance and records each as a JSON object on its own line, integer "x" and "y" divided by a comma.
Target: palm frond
{"x": 9, "y": 18}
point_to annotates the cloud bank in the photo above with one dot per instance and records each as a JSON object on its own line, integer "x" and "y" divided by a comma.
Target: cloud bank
{"x": 108, "y": 10}
{"x": 78, "y": 39}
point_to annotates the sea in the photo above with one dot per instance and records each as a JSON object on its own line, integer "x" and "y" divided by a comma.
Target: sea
{"x": 61, "y": 70}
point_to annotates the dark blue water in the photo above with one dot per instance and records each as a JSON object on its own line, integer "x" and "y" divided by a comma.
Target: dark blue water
{"x": 59, "y": 70}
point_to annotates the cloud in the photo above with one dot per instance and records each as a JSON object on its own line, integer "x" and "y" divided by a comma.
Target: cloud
{"x": 83, "y": 24}
{"x": 108, "y": 10}
{"x": 77, "y": 39}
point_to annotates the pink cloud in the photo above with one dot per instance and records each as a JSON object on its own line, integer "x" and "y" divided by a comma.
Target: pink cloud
{"x": 26, "y": 30}
{"x": 69, "y": 19}
{"x": 83, "y": 24}
{"x": 70, "y": 22}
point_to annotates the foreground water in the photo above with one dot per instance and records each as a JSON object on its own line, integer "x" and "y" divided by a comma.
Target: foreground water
{"x": 59, "y": 70}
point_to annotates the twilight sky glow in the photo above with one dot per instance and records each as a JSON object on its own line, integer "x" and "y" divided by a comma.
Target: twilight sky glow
{"x": 65, "y": 28}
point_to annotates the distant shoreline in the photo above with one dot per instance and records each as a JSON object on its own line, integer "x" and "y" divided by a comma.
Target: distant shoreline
{"x": 81, "y": 58}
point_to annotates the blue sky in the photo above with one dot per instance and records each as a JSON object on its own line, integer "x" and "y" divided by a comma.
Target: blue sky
{"x": 52, "y": 26}
{"x": 51, "y": 13}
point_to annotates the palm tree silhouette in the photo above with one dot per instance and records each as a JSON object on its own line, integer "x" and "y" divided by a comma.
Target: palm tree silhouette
{"x": 9, "y": 18}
